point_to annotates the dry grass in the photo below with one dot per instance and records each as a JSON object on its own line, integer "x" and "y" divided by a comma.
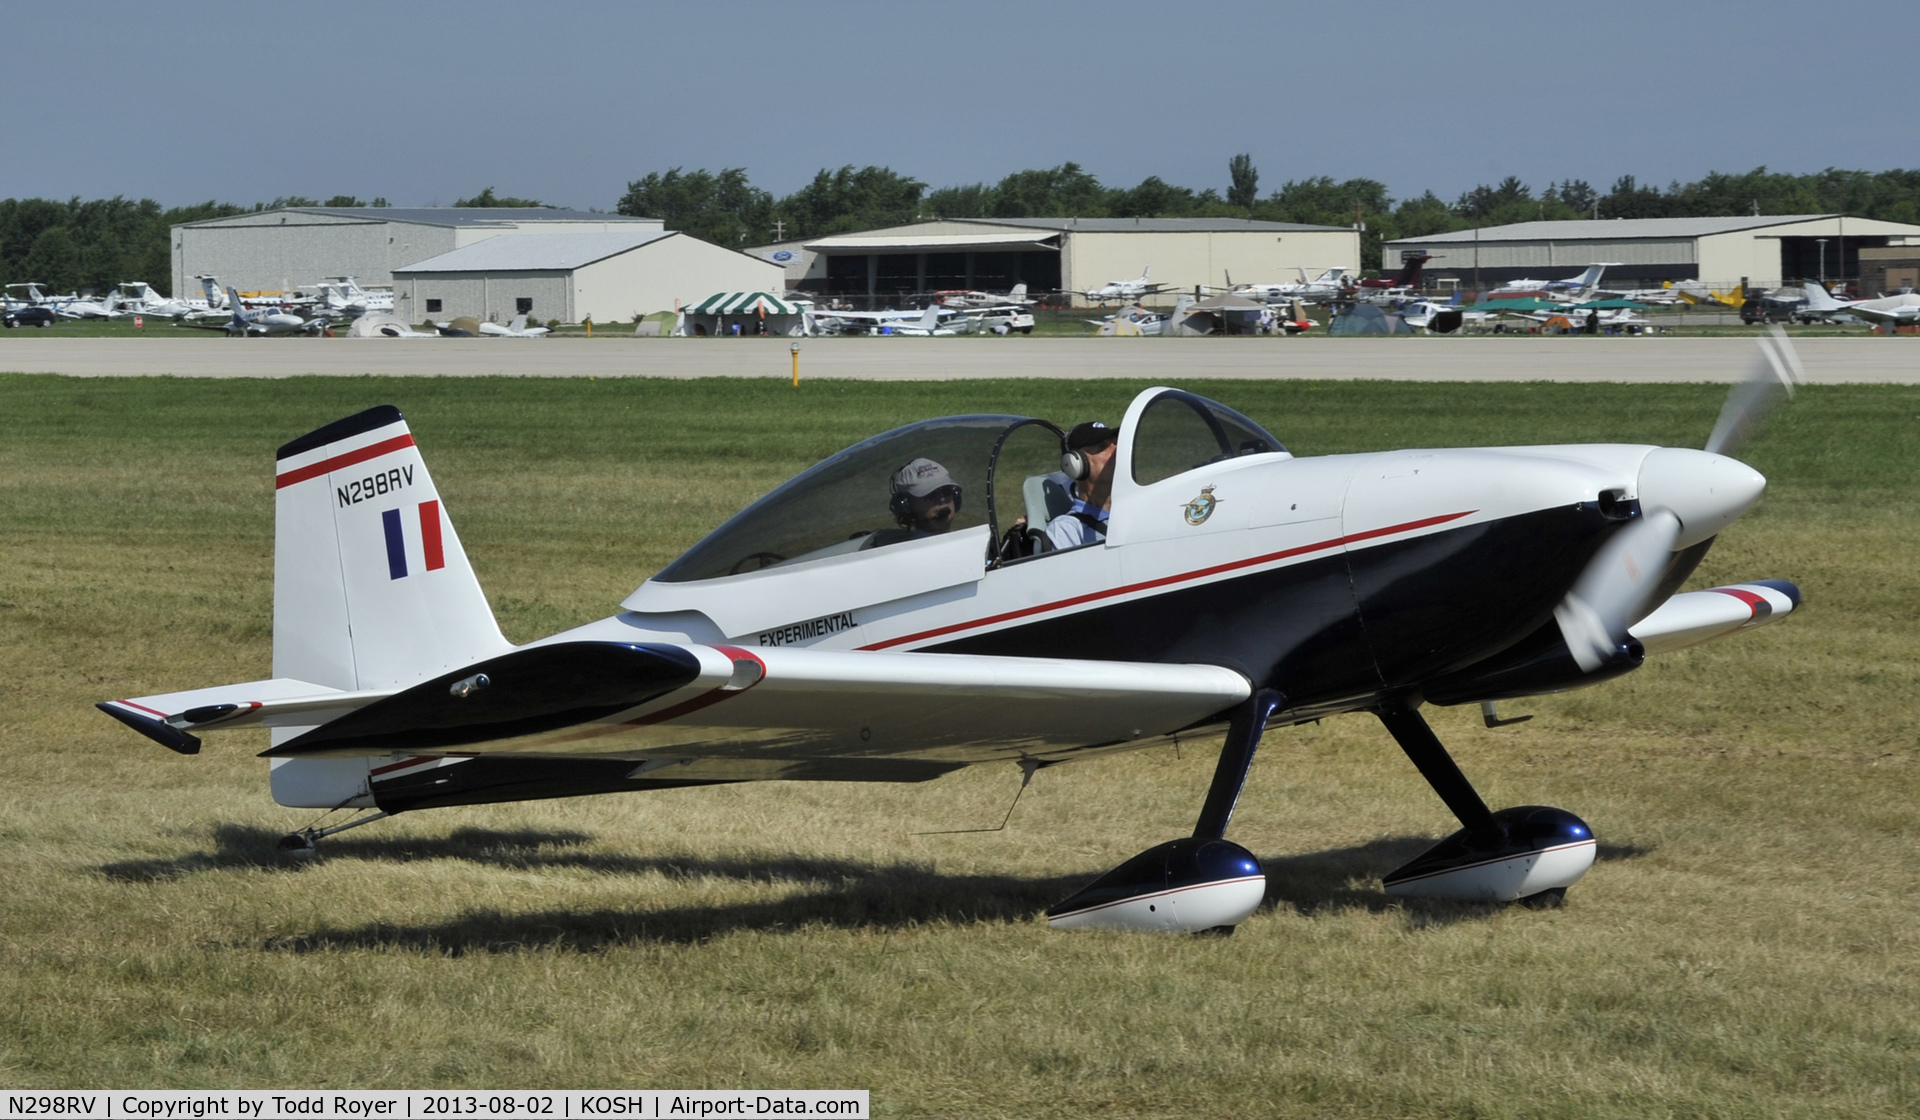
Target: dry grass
{"x": 1746, "y": 947}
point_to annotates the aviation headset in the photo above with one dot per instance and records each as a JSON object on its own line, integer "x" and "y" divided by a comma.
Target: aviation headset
{"x": 1074, "y": 463}
{"x": 901, "y": 503}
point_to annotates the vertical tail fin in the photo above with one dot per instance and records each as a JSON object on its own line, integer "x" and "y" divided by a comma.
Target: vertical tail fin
{"x": 1018, "y": 293}
{"x": 931, "y": 320}
{"x": 1410, "y": 272}
{"x": 1818, "y": 298}
{"x": 371, "y": 588}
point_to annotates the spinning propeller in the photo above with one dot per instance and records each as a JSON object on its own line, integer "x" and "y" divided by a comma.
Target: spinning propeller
{"x": 1685, "y": 497}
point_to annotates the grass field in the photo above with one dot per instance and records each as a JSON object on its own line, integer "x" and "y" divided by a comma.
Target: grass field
{"x": 1746, "y": 945}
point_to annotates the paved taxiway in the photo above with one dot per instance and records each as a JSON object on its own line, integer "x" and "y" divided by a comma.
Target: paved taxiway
{"x": 1828, "y": 360}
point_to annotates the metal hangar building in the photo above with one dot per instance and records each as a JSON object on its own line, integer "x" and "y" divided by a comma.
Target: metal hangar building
{"x": 1764, "y": 251}
{"x": 272, "y": 249}
{"x": 903, "y": 264}
{"x": 574, "y": 276}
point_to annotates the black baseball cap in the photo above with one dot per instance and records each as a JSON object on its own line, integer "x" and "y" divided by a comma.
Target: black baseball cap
{"x": 1090, "y": 434}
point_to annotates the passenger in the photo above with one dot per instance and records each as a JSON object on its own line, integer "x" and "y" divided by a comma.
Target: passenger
{"x": 1089, "y": 462}
{"x": 924, "y": 500}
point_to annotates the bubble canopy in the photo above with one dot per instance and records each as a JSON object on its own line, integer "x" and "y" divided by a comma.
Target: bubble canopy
{"x": 850, "y": 501}
{"x": 844, "y": 503}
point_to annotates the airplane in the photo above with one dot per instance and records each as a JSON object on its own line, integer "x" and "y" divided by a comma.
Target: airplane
{"x": 380, "y": 324}
{"x": 137, "y": 297}
{"x": 1442, "y": 318}
{"x": 1574, "y": 289}
{"x": 984, "y": 301}
{"x": 343, "y": 294}
{"x": 105, "y": 307}
{"x": 894, "y": 613}
{"x": 1576, "y": 317}
{"x": 1386, "y": 288}
{"x": 1137, "y": 320}
{"x": 216, "y": 296}
{"x": 879, "y": 322}
{"x": 516, "y": 329}
{"x": 257, "y": 321}
{"x": 30, "y": 295}
{"x": 1328, "y": 285}
{"x": 1126, "y": 291}
{"x": 1901, "y": 310}
{"x": 1695, "y": 293}
{"x": 934, "y": 321}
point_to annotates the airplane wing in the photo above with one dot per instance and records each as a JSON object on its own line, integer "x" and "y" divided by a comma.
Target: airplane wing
{"x": 729, "y": 712}
{"x": 1693, "y": 617}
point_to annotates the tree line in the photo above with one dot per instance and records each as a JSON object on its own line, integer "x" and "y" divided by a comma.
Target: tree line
{"x": 94, "y": 244}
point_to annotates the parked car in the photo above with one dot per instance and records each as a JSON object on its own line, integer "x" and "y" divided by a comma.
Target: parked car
{"x": 29, "y": 317}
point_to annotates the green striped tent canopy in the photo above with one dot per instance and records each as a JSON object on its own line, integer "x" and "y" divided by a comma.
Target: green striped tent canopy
{"x": 743, "y": 303}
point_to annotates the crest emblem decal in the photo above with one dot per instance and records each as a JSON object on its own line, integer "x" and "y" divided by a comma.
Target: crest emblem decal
{"x": 1202, "y": 507}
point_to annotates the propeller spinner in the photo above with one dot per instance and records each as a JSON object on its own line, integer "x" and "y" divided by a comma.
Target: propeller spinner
{"x": 1686, "y": 497}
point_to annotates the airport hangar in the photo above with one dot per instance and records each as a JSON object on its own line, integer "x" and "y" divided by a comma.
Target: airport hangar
{"x": 902, "y": 264}
{"x": 1720, "y": 252}
{"x": 574, "y": 276}
{"x": 268, "y": 250}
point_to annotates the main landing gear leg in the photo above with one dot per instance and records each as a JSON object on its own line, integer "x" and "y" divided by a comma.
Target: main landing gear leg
{"x": 1529, "y": 853}
{"x": 1200, "y": 884}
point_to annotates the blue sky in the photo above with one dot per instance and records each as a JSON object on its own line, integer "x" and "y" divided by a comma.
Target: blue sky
{"x": 567, "y": 102}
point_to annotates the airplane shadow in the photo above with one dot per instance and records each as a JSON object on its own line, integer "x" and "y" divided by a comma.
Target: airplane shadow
{"x": 846, "y": 894}
{"x": 252, "y": 848}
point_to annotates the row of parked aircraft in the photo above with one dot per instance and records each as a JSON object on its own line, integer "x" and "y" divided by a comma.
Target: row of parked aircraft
{"x": 336, "y": 297}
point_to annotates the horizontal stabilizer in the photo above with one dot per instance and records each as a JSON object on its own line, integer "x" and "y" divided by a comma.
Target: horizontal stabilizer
{"x": 168, "y": 717}
{"x": 1701, "y": 616}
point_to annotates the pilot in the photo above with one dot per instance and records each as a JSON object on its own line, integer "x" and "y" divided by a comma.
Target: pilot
{"x": 924, "y": 500}
{"x": 1089, "y": 463}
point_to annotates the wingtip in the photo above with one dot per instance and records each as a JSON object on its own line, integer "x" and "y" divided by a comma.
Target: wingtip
{"x": 159, "y": 731}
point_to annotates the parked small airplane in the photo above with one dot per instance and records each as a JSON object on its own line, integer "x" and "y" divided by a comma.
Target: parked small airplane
{"x": 104, "y": 307}
{"x": 877, "y": 322}
{"x": 379, "y": 324}
{"x": 516, "y": 329}
{"x": 342, "y": 296}
{"x": 1575, "y": 317}
{"x": 1696, "y": 293}
{"x": 1326, "y": 286}
{"x": 137, "y": 297}
{"x": 1572, "y": 290}
{"x": 254, "y": 321}
{"x": 1892, "y": 311}
{"x": 984, "y": 301}
{"x": 27, "y": 293}
{"x": 1442, "y": 318}
{"x": 934, "y": 321}
{"x": 894, "y": 613}
{"x": 1138, "y": 321}
{"x": 1388, "y": 288}
{"x": 1128, "y": 291}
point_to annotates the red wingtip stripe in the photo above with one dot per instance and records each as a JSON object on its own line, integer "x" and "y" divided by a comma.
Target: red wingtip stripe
{"x": 325, "y": 466}
{"x": 1757, "y": 605}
